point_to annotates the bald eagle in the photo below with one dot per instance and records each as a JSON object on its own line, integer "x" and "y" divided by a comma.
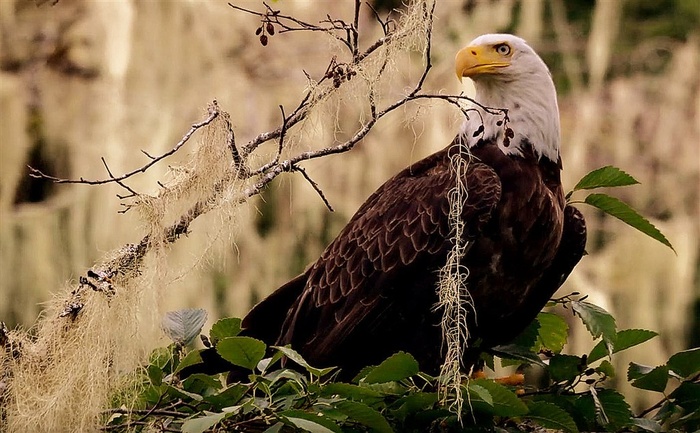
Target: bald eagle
{"x": 373, "y": 291}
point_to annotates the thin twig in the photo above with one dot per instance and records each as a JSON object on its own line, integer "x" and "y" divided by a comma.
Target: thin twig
{"x": 280, "y": 144}
{"x": 213, "y": 114}
{"x": 314, "y": 185}
{"x": 172, "y": 413}
{"x": 231, "y": 143}
{"x": 118, "y": 181}
{"x": 356, "y": 30}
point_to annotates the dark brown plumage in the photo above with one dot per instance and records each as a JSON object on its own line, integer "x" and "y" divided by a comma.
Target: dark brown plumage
{"x": 372, "y": 291}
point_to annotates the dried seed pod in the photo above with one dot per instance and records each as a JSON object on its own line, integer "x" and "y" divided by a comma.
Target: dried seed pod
{"x": 258, "y": 31}
{"x": 205, "y": 340}
{"x": 270, "y": 28}
{"x": 510, "y": 133}
{"x": 263, "y": 40}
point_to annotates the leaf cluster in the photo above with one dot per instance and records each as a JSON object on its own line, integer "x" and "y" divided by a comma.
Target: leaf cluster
{"x": 609, "y": 176}
{"x": 279, "y": 391}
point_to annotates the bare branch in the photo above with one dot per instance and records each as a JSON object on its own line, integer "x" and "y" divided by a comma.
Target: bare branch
{"x": 118, "y": 181}
{"x": 314, "y": 185}
{"x": 287, "y": 23}
{"x": 300, "y": 112}
{"x": 231, "y": 143}
{"x": 355, "y": 29}
{"x": 385, "y": 24}
{"x": 130, "y": 255}
{"x": 428, "y": 45}
{"x": 213, "y": 114}
{"x": 280, "y": 145}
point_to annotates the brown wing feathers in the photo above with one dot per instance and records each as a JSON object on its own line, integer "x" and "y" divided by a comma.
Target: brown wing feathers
{"x": 373, "y": 290}
{"x": 397, "y": 238}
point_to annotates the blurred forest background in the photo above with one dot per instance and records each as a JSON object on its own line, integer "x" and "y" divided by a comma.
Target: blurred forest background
{"x": 81, "y": 80}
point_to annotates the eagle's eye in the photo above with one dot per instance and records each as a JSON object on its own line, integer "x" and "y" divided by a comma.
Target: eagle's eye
{"x": 502, "y": 49}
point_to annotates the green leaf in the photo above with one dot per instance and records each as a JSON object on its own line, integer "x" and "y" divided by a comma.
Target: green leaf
{"x": 365, "y": 415}
{"x": 606, "y": 368}
{"x": 266, "y": 363}
{"x": 227, "y": 397}
{"x": 598, "y": 321}
{"x": 352, "y": 392}
{"x": 687, "y": 396}
{"x": 616, "y": 410}
{"x": 565, "y": 367}
{"x": 161, "y": 357}
{"x": 242, "y": 351}
{"x": 624, "y": 340}
{"x": 479, "y": 393}
{"x": 202, "y": 423}
{"x": 685, "y": 363}
{"x": 398, "y": 366}
{"x": 635, "y": 371}
{"x": 509, "y": 351}
{"x": 201, "y": 383}
{"x": 504, "y": 401}
{"x": 182, "y": 394}
{"x": 553, "y": 332}
{"x": 182, "y": 326}
{"x": 647, "y": 425}
{"x": 527, "y": 339}
{"x": 193, "y": 357}
{"x": 291, "y": 375}
{"x": 153, "y": 394}
{"x": 413, "y": 403}
{"x": 155, "y": 374}
{"x": 551, "y": 416}
{"x": 276, "y": 428}
{"x": 310, "y": 422}
{"x": 386, "y": 388}
{"x": 626, "y": 214}
{"x": 607, "y": 176}
{"x": 228, "y": 327}
{"x": 655, "y": 380}
{"x": 296, "y": 357}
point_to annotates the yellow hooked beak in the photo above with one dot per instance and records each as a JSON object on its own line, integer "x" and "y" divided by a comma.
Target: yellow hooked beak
{"x": 477, "y": 60}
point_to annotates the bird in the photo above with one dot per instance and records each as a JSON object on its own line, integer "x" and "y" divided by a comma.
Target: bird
{"x": 374, "y": 289}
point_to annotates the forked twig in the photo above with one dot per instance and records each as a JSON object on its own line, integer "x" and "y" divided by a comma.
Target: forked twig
{"x": 213, "y": 114}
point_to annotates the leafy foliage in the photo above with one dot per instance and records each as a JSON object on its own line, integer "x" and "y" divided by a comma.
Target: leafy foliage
{"x": 624, "y": 212}
{"x": 607, "y": 176}
{"x": 395, "y": 397}
{"x": 610, "y": 176}
{"x": 293, "y": 396}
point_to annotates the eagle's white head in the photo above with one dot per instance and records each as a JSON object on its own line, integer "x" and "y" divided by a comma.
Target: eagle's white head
{"x": 508, "y": 74}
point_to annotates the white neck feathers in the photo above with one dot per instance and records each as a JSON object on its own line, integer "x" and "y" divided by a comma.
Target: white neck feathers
{"x": 526, "y": 90}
